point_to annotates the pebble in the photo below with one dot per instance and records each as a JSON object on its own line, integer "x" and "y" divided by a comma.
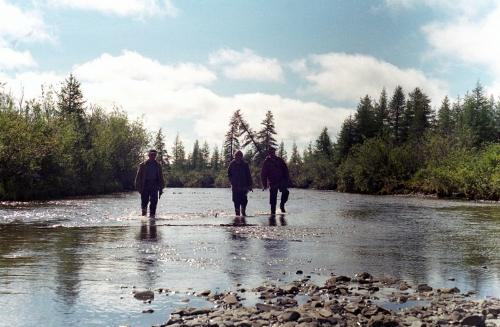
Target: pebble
{"x": 342, "y": 302}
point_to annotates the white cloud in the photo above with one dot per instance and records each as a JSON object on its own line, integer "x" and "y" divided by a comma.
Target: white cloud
{"x": 464, "y": 7}
{"x": 130, "y": 65}
{"x": 348, "y": 77}
{"x": 180, "y": 94}
{"x": 246, "y": 65}
{"x": 469, "y": 40}
{"x": 17, "y": 25}
{"x": 10, "y": 59}
{"x": 134, "y": 8}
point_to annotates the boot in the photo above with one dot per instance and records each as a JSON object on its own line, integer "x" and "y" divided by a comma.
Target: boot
{"x": 244, "y": 211}
{"x": 144, "y": 211}
{"x": 152, "y": 215}
{"x": 282, "y": 207}
{"x": 273, "y": 209}
{"x": 237, "y": 210}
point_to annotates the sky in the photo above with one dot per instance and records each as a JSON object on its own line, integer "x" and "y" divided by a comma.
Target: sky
{"x": 185, "y": 66}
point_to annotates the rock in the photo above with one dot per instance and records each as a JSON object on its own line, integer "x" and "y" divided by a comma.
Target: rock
{"x": 403, "y": 286}
{"x": 144, "y": 295}
{"x": 230, "y": 299}
{"x": 494, "y": 311}
{"x": 290, "y": 289}
{"x": 352, "y": 308}
{"x": 206, "y": 293}
{"x": 424, "y": 288}
{"x": 363, "y": 277}
{"x": 244, "y": 323}
{"x": 266, "y": 307}
{"x": 299, "y": 272}
{"x": 473, "y": 321}
{"x": 290, "y": 316}
{"x": 325, "y": 313}
{"x": 337, "y": 279}
{"x": 456, "y": 316}
{"x": 449, "y": 290}
{"x": 197, "y": 312}
{"x": 148, "y": 311}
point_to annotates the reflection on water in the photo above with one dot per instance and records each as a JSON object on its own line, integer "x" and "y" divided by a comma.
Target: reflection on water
{"x": 75, "y": 261}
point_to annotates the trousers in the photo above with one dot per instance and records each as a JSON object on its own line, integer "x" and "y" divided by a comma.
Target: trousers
{"x": 149, "y": 195}
{"x": 273, "y": 195}
{"x": 240, "y": 198}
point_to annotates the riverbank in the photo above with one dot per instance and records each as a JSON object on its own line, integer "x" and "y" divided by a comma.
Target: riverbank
{"x": 341, "y": 301}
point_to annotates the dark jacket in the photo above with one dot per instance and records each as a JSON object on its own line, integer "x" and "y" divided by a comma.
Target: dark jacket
{"x": 239, "y": 175}
{"x": 274, "y": 172}
{"x": 140, "y": 178}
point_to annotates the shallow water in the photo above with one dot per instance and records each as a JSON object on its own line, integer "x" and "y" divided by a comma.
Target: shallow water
{"x": 75, "y": 262}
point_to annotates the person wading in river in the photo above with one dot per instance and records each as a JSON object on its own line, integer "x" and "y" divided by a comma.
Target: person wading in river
{"x": 275, "y": 175}
{"x": 149, "y": 182}
{"x": 241, "y": 182}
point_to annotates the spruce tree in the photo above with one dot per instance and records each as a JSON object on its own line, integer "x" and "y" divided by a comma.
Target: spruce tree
{"x": 159, "y": 145}
{"x": 346, "y": 139}
{"x": 282, "y": 152}
{"x": 381, "y": 113}
{"x": 215, "y": 160}
{"x": 420, "y": 117}
{"x": 205, "y": 155}
{"x": 324, "y": 145}
{"x": 70, "y": 99}
{"x": 366, "y": 125}
{"x": 396, "y": 111}
{"x": 195, "y": 157}
{"x": 478, "y": 116}
{"x": 231, "y": 140}
{"x": 295, "y": 165}
{"x": 178, "y": 154}
{"x": 445, "y": 124}
{"x": 265, "y": 138}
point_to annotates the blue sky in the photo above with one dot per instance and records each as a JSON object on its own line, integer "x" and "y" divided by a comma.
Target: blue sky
{"x": 187, "y": 65}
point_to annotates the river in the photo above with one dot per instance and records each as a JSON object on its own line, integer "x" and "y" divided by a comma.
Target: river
{"x": 76, "y": 261}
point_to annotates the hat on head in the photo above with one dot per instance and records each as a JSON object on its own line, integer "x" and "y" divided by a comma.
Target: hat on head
{"x": 151, "y": 151}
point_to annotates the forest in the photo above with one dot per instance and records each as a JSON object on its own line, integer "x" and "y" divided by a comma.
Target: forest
{"x": 58, "y": 145}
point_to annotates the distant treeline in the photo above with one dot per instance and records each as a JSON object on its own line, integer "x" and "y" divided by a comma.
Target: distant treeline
{"x": 58, "y": 145}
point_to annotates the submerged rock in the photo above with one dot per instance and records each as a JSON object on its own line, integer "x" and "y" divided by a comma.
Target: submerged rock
{"x": 144, "y": 295}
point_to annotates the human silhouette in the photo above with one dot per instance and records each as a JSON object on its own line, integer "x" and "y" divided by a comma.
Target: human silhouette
{"x": 239, "y": 175}
{"x": 274, "y": 174}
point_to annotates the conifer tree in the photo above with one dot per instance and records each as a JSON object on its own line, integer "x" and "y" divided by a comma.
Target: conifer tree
{"x": 178, "y": 154}
{"x": 70, "y": 99}
{"x": 382, "y": 113}
{"x": 396, "y": 111}
{"x": 346, "y": 139}
{"x": 195, "y": 157}
{"x": 295, "y": 165}
{"x": 366, "y": 125}
{"x": 265, "y": 138}
{"x": 159, "y": 145}
{"x": 421, "y": 114}
{"x": 445, "y": 124}
{"x": 324, "y": 145}
{"x": 215, "y": 160}
{"x": 282, "y": 152}
{"x": 231, "y": 141}
{"x": 205, "y": 155}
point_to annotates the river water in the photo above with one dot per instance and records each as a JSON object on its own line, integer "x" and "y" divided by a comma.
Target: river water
{"x": 77, "y": 261}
